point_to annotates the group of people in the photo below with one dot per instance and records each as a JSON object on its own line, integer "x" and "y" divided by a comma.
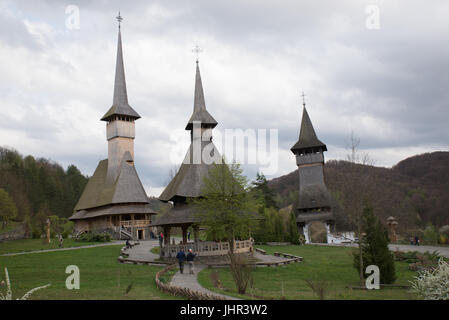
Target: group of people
{"x": 414, "y": 241}
{"x": 182, "y": 257}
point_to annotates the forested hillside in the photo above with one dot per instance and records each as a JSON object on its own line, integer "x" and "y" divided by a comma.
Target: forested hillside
{"x": 416, "y": 190}
{"x": 39, "y": 187}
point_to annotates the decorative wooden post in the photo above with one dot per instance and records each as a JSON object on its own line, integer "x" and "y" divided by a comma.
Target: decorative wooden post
{"x": 196, "y": 233}
{"x": 184, "y": 234}
{"x": 392, "y": 225}
{"x": 167, "y": 235}
{"x": 48, "y": 230}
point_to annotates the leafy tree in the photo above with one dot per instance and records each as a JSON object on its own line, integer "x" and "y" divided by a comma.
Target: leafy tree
{"x": 374, "y": 246}
{"x": 431, "y": 234}
{"x": 227, "y": 207}
{"x": 35, "y": 184}
{"x": 261, "y": 185}
{"x": 8, "y": 208}
{"x": 293, "y": 229}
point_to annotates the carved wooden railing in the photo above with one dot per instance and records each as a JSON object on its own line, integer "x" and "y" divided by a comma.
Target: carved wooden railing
{"x": 207, "y": 248}
{"x": 135, "y": 223}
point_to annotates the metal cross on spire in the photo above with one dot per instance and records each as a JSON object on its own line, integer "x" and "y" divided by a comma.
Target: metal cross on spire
{"x": 303, "y": 99}
{"x": 119, "y": 19}
{"x": 197, "y": 50}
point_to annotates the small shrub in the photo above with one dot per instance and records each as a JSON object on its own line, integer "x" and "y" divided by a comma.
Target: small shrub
{"x": 156, "y": 250}
{"x": 36, "y": 234}
{"x": 319, "y": 287}
{"x": 433, "y": 285}
{"x": 431, "y": 235}
{"x": 94, "y": 237}
{"x": 242, "y": 272}
{"x": 215, "y": 277}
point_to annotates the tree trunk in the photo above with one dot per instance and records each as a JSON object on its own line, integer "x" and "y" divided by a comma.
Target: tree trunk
{"x": 360, "y": 254}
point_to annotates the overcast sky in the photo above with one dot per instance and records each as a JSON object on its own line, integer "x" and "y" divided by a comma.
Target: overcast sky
{"x": 384, "y": 77}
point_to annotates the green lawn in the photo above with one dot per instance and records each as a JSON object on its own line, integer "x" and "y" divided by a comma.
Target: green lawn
{"x": 38, "y": 244}
{"x": 331, "y": 263}
{"x": 101, "y": 276}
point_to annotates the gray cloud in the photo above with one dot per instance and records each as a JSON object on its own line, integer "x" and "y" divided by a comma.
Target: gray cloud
{"x": 389, "y": 86}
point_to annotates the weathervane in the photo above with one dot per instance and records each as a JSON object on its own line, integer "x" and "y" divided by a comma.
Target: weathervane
{"x": 197, "y": 50}
{"x": 303, "y": 99}
{"x": 119, "y": 19}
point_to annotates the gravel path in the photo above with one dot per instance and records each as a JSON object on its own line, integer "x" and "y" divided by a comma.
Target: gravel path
{"x": 190, "y": 281}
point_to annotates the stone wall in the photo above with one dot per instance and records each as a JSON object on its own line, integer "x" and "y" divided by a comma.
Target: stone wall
{"x": 15, "y": 234}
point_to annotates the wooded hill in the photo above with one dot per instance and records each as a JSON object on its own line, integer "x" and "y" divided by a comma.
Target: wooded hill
{"x": 416, "y": 190}
{"x": 39, "y": 186}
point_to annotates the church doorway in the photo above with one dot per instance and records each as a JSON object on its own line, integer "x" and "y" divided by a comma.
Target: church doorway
{"x": 140, "y": 234}
{"x": 317, "y": 232}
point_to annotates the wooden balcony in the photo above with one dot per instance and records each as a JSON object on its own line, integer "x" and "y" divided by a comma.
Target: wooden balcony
{"x": 135, "y": 223}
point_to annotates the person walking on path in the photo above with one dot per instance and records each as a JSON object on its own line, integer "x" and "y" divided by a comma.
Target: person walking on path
{"x": 190, "y": 258}
{"x": 161, "y": 239}
{"x": 181, "y": 256}
{"x": 61, "y": 241}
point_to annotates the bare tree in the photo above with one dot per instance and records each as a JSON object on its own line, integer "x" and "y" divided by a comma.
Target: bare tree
{"x": 355, "y": 190}
{"x": 172, "y": 173}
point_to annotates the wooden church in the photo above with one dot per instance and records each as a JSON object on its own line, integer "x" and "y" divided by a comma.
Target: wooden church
{"x": 114, "y": 199}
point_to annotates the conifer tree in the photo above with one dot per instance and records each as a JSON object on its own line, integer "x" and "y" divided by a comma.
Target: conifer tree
{"x": 375, "y": 250}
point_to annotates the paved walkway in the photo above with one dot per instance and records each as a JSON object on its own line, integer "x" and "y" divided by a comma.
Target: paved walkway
{"x": 443, "y": 251}
{"x": 142, "y": 252}
{"x": 190, "y": 281}
{"x": 113, "y": 243}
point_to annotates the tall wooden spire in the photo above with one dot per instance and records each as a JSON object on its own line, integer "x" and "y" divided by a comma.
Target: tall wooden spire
{"x": 200, "y": 112}
{"x": 120, "y": 104}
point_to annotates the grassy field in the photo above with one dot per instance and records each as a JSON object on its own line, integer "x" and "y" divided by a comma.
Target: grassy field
{"x": 25, "y": 245}
{"x": 331, "y": 263}
{"x": 101, "y": 276}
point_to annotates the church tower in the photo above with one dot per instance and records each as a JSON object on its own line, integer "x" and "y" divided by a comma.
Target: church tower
{"x": 314, "y": 202}
{"x": 120, "y": 118}
{"x": 114, "y": 199}
{"x": 187, "y": 182}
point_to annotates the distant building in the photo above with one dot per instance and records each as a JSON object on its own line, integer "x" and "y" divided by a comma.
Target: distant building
{"x": 114, "y": 199}
{"x": 314, "y": 202}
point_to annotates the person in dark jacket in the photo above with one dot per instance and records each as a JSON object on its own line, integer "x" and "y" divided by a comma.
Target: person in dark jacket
{"x": 181, "y": 256}
{"x": 161, "y": 239}
{"x": 190, "y": 258}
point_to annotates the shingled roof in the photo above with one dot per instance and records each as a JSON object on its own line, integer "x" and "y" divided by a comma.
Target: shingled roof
{"x": 199, "y": 105}
{"x": 126, "y": 188}
{"x": 307, "y": 136}
{"x": 314, "y": 196}
{"x": 113, "y": 210}
{"x": 120, "y": 104}
{"x": 179, "y": 215}
{"x": 189, "y": 178}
